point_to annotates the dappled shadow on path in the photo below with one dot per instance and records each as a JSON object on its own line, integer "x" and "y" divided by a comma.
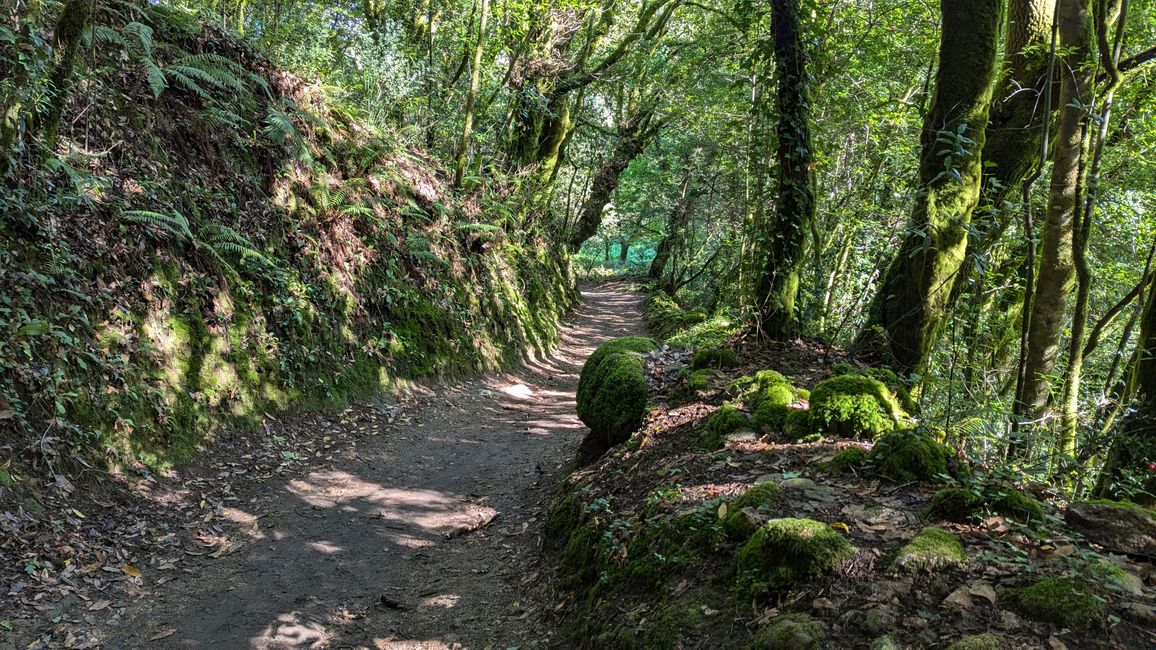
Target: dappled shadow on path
{"x": 415, "y": 538}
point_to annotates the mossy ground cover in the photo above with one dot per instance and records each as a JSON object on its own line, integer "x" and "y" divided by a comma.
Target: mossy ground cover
{"x": 693, "y": 518}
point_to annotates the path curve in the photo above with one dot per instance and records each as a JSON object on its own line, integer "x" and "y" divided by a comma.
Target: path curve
{"x": 381, "y": 547}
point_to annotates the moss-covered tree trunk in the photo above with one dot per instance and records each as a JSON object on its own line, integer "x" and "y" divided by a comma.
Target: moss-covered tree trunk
{"x": 1057, "y": 267}
{"x": 472, "y": 97}
{"x": 786, "y": 235}
{"x": 909, "y": 306}
{"x": 675, "y": 238}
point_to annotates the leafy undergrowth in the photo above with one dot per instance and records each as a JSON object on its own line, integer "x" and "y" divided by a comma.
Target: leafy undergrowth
{"x": 766, "y": 542}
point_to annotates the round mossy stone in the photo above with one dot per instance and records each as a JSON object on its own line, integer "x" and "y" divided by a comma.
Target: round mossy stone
{"x": 846, "y": 460}
{"x": 719, "y": 357}
{"x": 722, "y": 422}
{"x": 774, "y": 405}
{"x": 910, "y": 455}
{"x": 1061, "y": 601}
{"x": 964, "y": 504}
{"x": 930, "y": 550}
{"x": 762, "y": 498}
{"x": 798, "y": 424}
{"x": 853, "y": 406}
{"x": 790, "y": 632}
{"x": 612, "y": 392}
{"x": 784, "y": 551}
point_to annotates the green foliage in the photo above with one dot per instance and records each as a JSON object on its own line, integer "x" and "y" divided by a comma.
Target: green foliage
{"x": 664, "y": 316}
{"x": 719, "y": 425}
{"x": 785, "y": 551}
{"x": 854, "y": 406}
{"x": 910, "y": 455}
{"x": 711, "y": 333}
{"x": 612, "y": 390}
{"x": 1060, "y": 601}
{"x": 932, "y": 549}
{"x": 790, "y": 632}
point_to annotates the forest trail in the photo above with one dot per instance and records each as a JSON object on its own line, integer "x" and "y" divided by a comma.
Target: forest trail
{"x": 387, "y": 545}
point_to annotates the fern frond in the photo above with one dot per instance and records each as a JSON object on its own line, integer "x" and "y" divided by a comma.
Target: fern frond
{"x": 175, "y": 224}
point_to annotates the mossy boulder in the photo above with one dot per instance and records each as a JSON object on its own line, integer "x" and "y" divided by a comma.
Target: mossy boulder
{"x": 785, "y": 551}
{"x": 854, "y": 406}
{"x": 1061, "y": 601}
{"x": 798, "y": 424}
{"x": 932, "y": 549}
{"x": 773, "y": 406}
{"x": 910, "y": 455}
{"x": 699, "y": 379}
{"x": 719, "y": 425}
{"x": 715, "y": 357}
{"x": 664, "y": 316}
{"x": 977, "y": 642}
{"x": 612, "y": 390}
{"x": 790, "y": 632}
{"x": 846, "y": 460}
{"x": 972, "y": 503}
{"x": 762, "y": 498}
{"x": 1119, "y": 526}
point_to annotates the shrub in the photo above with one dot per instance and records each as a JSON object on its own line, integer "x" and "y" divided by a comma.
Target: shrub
{"x": 853, "y": 406}
{"x": 612, "y": 389}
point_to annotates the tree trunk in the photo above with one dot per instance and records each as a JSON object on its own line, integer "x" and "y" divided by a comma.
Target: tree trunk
{"x": 472, "y": 96}
{"x": 786, "y": 237}
{"x": 676, "y": 223}
{"x": 909, "y": 307}
{"x": 1055, "y": 278}
{"x": 623, "y": 248}
{"x": 635, "y": 136}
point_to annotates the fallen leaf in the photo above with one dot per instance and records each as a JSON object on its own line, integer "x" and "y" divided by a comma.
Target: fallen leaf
{"x": 959, "y": 598}
{"x": 162, "y": 634}
{"x": 722, "y": 511}
{"x": 130, "y": 570}
{"x": 983, "y": 590}
{"x": 99, "y": 605}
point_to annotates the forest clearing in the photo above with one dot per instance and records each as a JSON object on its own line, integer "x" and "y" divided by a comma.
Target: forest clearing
{"x": 578, "y": 324}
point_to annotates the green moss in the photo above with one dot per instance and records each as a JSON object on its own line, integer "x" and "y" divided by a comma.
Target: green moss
{"x": 712, "y": 332}
{"x": 665, "y": 544}
{"x": 846, "y": 460}
{"x": 785, "y": 551}
{"x": 699, "y": 379}
{"x": 798, "y": 424}
{"x": 612, "y": 390}
{"x": 754, "y": 388}
{"x": 664, "y": 316}
{"x": 762, "y": 497}
{"x": 931, "y": 550}
{"x": 563, "y": 518}
{"x": 715, "y": 357}
{"x": 1112, "y": 503}
{"x": 1061, "y": 601}
{"x": 719, "y": 425}
{"x": 977, "y": 642}
{"x": 973, "y": 503}
{"x": 773, "y": 406}
{"x": 790, "y": 632}
{"x": 910, "y": 455}
{"x": 853, "y": 406}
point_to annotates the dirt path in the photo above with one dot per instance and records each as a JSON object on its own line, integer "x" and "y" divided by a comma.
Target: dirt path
{"x": 386, "y": 544}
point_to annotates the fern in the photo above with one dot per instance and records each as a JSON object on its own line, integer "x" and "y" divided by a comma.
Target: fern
{"x": 175, "y": 224}
{"x": 477, "y": 227}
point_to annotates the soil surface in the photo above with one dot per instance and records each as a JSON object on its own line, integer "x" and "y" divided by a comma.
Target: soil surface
{"x": 411, "y": 524}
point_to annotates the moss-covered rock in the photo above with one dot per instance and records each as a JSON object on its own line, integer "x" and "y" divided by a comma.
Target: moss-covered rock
{"x": 854, "y": 406}
{"x": 974, "y": 502}
{"x": 977, "y": 642}
{"x": 664, "y": 316}
{"x": 846, "y": 460}
{"x": 1120, "y": 526}
{"x": 715, "y": 357}
{"x": 785, "y": 551}
{"x": 1061, "y": 601}
{"x": 699, "y": 379}
{"x": 762, "y": 498}
{"x": 719, "y": 425}
{"x": 612, "y": 390}
{"x": 930, "y": 550}
{"x": 773, "y": 406}
{"x": 790, "y": 632}
{"x": 798, "y": 424}
{"x": 754, "y": 388}
{"x": 910, "y": 455}
{"x": 712, "y": 332}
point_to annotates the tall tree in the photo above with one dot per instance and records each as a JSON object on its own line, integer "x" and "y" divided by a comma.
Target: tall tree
{"x": 1057, "y": 266}
{"x": 472, "y": 96}
{"x": 786, "y": 237}
{"x": 908, "y": 308}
